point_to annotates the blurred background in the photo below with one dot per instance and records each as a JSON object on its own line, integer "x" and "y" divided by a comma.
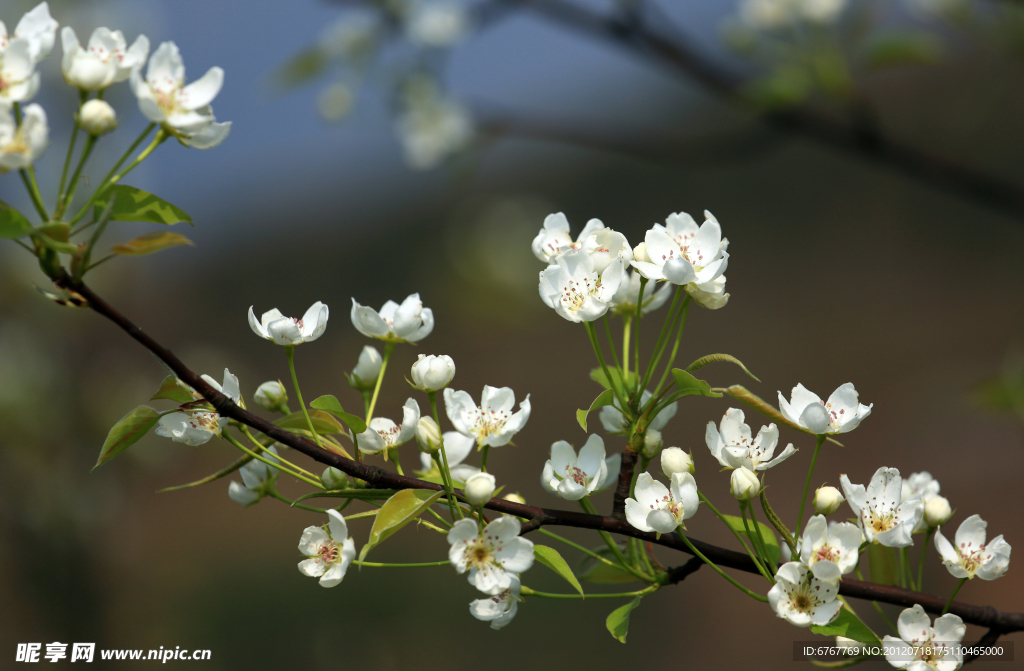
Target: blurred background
{"x": 843, "y": 269}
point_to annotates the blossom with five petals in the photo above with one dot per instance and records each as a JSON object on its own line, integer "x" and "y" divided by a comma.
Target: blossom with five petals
{"x": 406, "y": 323}
{"x": 660, "y": 508}
{"x": 576, "y": 290}
{"x": 880, "y": 514}
{"x": 492, "y": 422}
{"x": 197, "y": 427}
{"x": 107, "y": 60}
{"x": 572, "y": 477}
{"x": 614, "y": 421}
{"x": 328, "y": 553}
{"x": 922, "y": 646}
{"x": 841, "y": 413}
{"x": 801, "y": 599}
{"x": 683, "y": 253}
{"x": 500, "y": 608}
{"x": 830, "y": 551}
{"x": 282, "y": 330}
{"x": 21, "y": 145}
{"x": 554, "y": 238}
{"x": 733, "y": 447}
{"x": 36, "y": 28}
{"x": 971, "y": 556}
{"x": 19, "y": 80}
{"x": 383, "y": 434}
{"x": 492, "y": 556}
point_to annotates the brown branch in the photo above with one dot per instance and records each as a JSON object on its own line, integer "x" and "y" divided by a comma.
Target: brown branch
{"x": 986, "y": 616}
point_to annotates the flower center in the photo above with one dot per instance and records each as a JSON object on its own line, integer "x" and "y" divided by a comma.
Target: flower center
{"x": 328, "y": 552}
{"x": 826, "y": 553}
{"x": 880, "y": 522}
{"x": 390, "y": 435}
{"x": 205, "y": 421}
{"x": 972, "y": 558}
{"x": 480, "y": 554}
{"x": 489, "y": 422}
{"x": 575, "y": 293}
{"x": 835, "y": 419}
{"x": 576, "y": 475}
{"x": 802, "y": 600}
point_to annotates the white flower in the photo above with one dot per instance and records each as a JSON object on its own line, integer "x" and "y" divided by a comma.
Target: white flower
{"x": 684, "y": 254}
{"x": 328, "y": 553}
{"x": 257, "y": 478}
{"x": 367, "y": 370}
{"x": 432, "y": 125}
{"x": 383, "y": 434}
{"x": 827, "y": 500}
{"x": 436, "y": 23}
{"x": 184, "y": 111}
{"x": 733, "y": 447}
{"x": 492, "y": 422}
{"x": 500, "y": 608}
{"x": 578, "y": 292}
{"x": 21, "y": 145}
{"x": 604, "y": 246}
{"x": 428, "y": 435}
{"x": 922, "y": 646}
{"x": 554, "y": 238}
{"x": 19, "y": 80}
{"x": 624, "y": 300}
{"x": 936, "y": 511}
{"x": 614, "y": 421}
{"x": 830, "y": 551}
{"x": 743, "y": 484}
{"x": 802, "y": 599}
{"x": 660, "y": 509}
{"x": 479, "y": 488}
{"x": 771, "y": 14}
{"x": 37, "y": 28}
{"x": 925, "y": 487}
{"x": 282, "y": 330}
{"x": 572, "y": 477}
{"x": 492, "y": 556}
{"x": 354, "y": 36}
{"x": 97, "y": 117}
{"x": 408, "y": 322}
{"x": 515, "y": 497}
{"x": 710, "y": 295}
{"x": 971, "y": 556}
{"x": 197, "y": 427}
{"x": 612, "y": 466}
{"x": 432, "y": 373}
{"x": 456, "y": 448}
{"x": 674, "y": 460}
{"x": 107, "y": 60}
{"x": 271, "y": 396}
{"x": 881, "y": 516}
{"x": 840, "y": 414}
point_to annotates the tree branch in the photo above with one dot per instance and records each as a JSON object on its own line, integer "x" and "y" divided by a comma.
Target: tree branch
{"x": 986, "y": 616}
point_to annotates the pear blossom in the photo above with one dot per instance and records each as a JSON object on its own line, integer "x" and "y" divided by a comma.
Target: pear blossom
{"x": 923, "y": 486}
{"x": 615, "y": 422}
{"x": 433, "y": 373}
{"x": 257, "y": 479}
{"x": 197, "y": 427}
{"x": 710, "y": 295}
{"x": 683, "y": 253}
{"x": 383, "y": 434}
{"x": 19, "y": 80}
{"x": 329, "y": 552}
{"x": 432, "y": 125}
{"x": 36, "y": 28}
{"x": 604, "y": 246}
{"x": 428, "y": 436}
{"x": 492, "y": 422}
{"x": 743, "y": 484}
{"x": 801, "y": 599}
{"x": 659, "y": 508}
{"x": 436, "y": 23}
{"x": 937, "y": 511}
{"x": 827, "y": 500}
{"x": 572, "y": 477}
{"x": 624, "y": 300}
{"x": 971, "y": 556}
{"x": 830, "y": 551}
{"x": 282, "y": 330}
{"x": 108, "y": 58}
{"x": 576, "y": 290}
{"x": 733, "y": 447}
{"x": 479, "y": 488}
{"x": 922, "y": 646}
{"x": 271, "y": 395}
{"x": 772, "y": 14}
{"x": 500, "y": 608}
{"x": 20, "y": 146}
{"x": 409, "y": 322}
{"x": 367, "y": 370}
{"x": 554, "y": 239}
{"x": 456, "y": 448}
{"x": 183, "y": 111}
{"x": 842, "y": 412}
{"x": 515, "y": 497}
{"x": 674, "y": 460}
{"x": 881, "y": 516}
{"x": 97, "y": 117}
{"x": 492, "y": 556}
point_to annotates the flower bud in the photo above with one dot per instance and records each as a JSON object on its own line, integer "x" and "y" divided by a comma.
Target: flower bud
{"x": 674, "y": 460}
{"x": 428, "y": 435}
{"x": 515, "y": 498}
{"x": 97, "y": 117}
{"x": 332, "y": 478}
{"x": 827, "y": 500}
{"x": 937, "y": 511}
{"x": 364, "y": 375}
{"x": 432, "y": 373}
{"x": 744, "y": 484}
{"x": 271, "y": 396}
{"x": 652, "y": 443}
{"x": 479, "y": 488}
{"x": 640, "y": 253}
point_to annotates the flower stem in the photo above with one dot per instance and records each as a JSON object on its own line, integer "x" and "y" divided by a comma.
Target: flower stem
{"x": 416, "y": 565}
{"x": 759, "y": 554}
{"x": 82, "y": 95}
{"x": 273, "y": 493}
{"x": 611, "y": 344}
{"x": 920, "y": 564}
{"x": 681, "y": 319}
{"x": 442, "y": 463}
{"x": 526, "y": 591}
{"x": 627, "y": 331}
{"x": 752, "y": 594}
{"x": 263, "y": 448}
{"x": 577, "y": 546}
{"x": 760, "y": 538}
{"x": 776, "y": 522}
{"x": 807, "y": 485}
{"x": 604, "y": 367}
{"x": 953, "y": 595}
{"x": 65, "y": 199}
{"x": 636, "y": 343}
{"x": 268, "y": 462}
{"x": 289, "y": 351}
{"x": 659, "y": 347}
{"x": 735, "y": 533}
{"x": 878, "y": 606}
{"x": 113, "y": 175}
{"x": 388, "y": 349}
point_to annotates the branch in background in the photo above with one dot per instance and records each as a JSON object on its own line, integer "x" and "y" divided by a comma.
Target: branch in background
{"x": 986, "y": 616}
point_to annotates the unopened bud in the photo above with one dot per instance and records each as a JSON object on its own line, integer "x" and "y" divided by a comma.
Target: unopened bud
{"x": 652, "y": 443}
{"x": 433, "y": 373}
{"x": 271, "y": 396}
{"x": 937, "y": 511}
{"x": 332, "y": 478}
{"x": 827, "y": 500}
{"x": 97, "y": 117}
{"x": 515, "y": 498}
{"x": 364, "y": 375}
{"x": 428, "y": 435}
{"x": 640, "y": 253}
{"x": 479, "y": 488}
{"x": 674, "y": 460}
{"x": 744, "y": 484}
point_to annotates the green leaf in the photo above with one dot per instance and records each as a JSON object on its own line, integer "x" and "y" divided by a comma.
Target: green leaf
{"x": 618, "y": 620}
{"x": 300, "y": 68}
{"x": 605, "y": 398}
{"x": 13, "y": 224}
{"x": 849, "y": 625}
{"x": 322, "y": 422}
{"x": 688, "y": 385}
{"x": 173, "y": 389}
{"x": 899, "y": 49}
{"x": 330, "y": 404}
{"x": 712, "y": 358}
{"x": 128, "y": 430}
{"x": 549, "y": 557}
{"x": 598, "y": 572}
{"x": 399, "y": 510}
{"x": 741, "y": 394}
{"x": 598, "y": 376}
{"x": 771, "y": 544}
{"x": 151, "y": 242}
{"x": 131, "y": 204}
{"x": 883, "y": 566}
